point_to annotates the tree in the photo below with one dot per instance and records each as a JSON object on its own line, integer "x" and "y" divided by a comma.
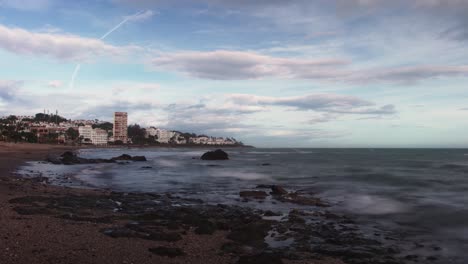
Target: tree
{"x": 107, "y": 126}
{"x": 137, "y": 134}
{"x": 72, "y": 134}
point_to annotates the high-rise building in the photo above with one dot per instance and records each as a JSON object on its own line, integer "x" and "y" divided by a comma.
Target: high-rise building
{"x": 120, "y": 127}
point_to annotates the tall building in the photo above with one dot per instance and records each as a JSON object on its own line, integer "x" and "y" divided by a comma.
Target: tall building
{"x": 120, "y": 127}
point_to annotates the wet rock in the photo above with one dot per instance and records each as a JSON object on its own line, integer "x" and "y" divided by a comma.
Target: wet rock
{"x": 122, "y": 157}
{"x": 262, "y": 258}
{"x": 167, "y": 252}
{"x": 302, "y": 200}
{"x": 139, "y": 158}
{"x": 271, "y": 213}
{"x": 253, "y": 194}
{"x": 215, "y": 155}
{"x": 278, "y": 190}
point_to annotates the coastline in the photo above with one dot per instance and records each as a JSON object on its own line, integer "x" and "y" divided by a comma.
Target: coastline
{"x": 53, "y": 224}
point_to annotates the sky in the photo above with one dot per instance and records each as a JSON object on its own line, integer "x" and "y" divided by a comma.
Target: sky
{"x": 271, "y": 73}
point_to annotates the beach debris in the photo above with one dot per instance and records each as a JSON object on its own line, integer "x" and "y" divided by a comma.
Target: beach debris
{"x": 215, "y": 155}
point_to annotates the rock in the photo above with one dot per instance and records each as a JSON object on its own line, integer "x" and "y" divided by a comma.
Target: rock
{"x": 139, "y": 158}
{"x": 253, "y": 194}
{"x": 262, "y": 258}
{"x": 122, "y": 157}
{"x": 278, "y": 190}
{"x": 266, "y": 164}
{"x": 168, "y": 252}
{"x": 215, "y": 155}
{"x": 70, "y": 158}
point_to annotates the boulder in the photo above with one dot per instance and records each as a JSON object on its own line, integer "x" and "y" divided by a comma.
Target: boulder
{"x": 139, "y": 158}
{"x": 215, "y": 155}
{"x": 122, "y": 157}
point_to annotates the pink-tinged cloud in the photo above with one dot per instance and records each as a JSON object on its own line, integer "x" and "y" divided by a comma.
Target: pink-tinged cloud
{"x": 58, "y": 46}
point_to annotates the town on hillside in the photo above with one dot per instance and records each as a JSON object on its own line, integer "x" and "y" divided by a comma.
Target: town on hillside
{"x": 54, "y": 129}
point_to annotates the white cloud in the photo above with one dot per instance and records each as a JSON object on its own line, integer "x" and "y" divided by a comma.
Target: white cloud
{"x": 232, "y": 65}
{"x": 142, "y": 16}
{"x": 58, "y": 46}
{"x": 328, "y": 103}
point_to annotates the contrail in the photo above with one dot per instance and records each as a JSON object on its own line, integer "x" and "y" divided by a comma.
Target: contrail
{"x": 78, "y": 66}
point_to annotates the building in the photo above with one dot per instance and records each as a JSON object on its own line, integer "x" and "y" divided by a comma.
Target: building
{"x": 94, "y": 136}
{"x": 161, "y": 135}
{"x": 120, "y": 127}
{"x": 99, "y": 136}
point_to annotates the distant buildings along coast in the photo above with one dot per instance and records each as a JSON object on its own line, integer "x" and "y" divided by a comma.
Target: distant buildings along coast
{"x": 52, "y": 128}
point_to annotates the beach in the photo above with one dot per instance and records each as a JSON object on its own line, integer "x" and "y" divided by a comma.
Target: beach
{"x": 45, "y": 238}
{"x": 176, "y": 208}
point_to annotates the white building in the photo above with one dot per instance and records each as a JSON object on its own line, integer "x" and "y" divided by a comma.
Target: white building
{"x": 95, "y": 136}
{"x": 85, "y": 132}
{"x": 162, "y": 135}
{"x": 99, "y": 137}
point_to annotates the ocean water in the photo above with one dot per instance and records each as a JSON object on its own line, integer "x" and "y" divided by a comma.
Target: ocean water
{"x": 420, "y": 195}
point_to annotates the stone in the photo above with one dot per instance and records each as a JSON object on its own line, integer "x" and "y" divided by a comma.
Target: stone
{"x": 215, "y": 155}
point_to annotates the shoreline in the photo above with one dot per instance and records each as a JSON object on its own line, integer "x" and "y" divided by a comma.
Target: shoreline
{"x": 52, "y": 224}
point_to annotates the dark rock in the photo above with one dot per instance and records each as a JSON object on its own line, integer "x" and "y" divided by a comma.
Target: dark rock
{"x": 215, "y": 155}
{"x": 278, "y": 190}
{"x": 262, "y": 258}
{"x": 271, "y": 213}
{"x": 167, "y": 252}
{"x": 122, "y": 157}
{"x": 302, "y": 200}
{"x": 266, "y": 164}
{"x": 253, "y": 194}
{"x": 139, "y": 158}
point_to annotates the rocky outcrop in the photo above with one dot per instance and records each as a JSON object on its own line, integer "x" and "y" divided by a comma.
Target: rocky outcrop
{"x": 215, "y": 155}
{"x": 70, "y": 158}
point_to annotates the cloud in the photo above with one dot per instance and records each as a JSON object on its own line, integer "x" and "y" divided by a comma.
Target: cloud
{"x": 330, "y": 103}
{"x": 9, "y": 89}
{"x": 58, "y": 46}
{"x": 142, "y": 16}
{"x": 27, "y": 5}
{"x": 55, "y": 84}
{"x": 411, "y": 74}
{"x": 238, "y": 65}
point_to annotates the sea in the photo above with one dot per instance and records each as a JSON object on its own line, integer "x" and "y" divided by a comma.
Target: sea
{"x": 419, "y": 195}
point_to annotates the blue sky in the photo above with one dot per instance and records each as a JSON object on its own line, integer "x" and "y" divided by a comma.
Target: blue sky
{"x": 336, "y": 73}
